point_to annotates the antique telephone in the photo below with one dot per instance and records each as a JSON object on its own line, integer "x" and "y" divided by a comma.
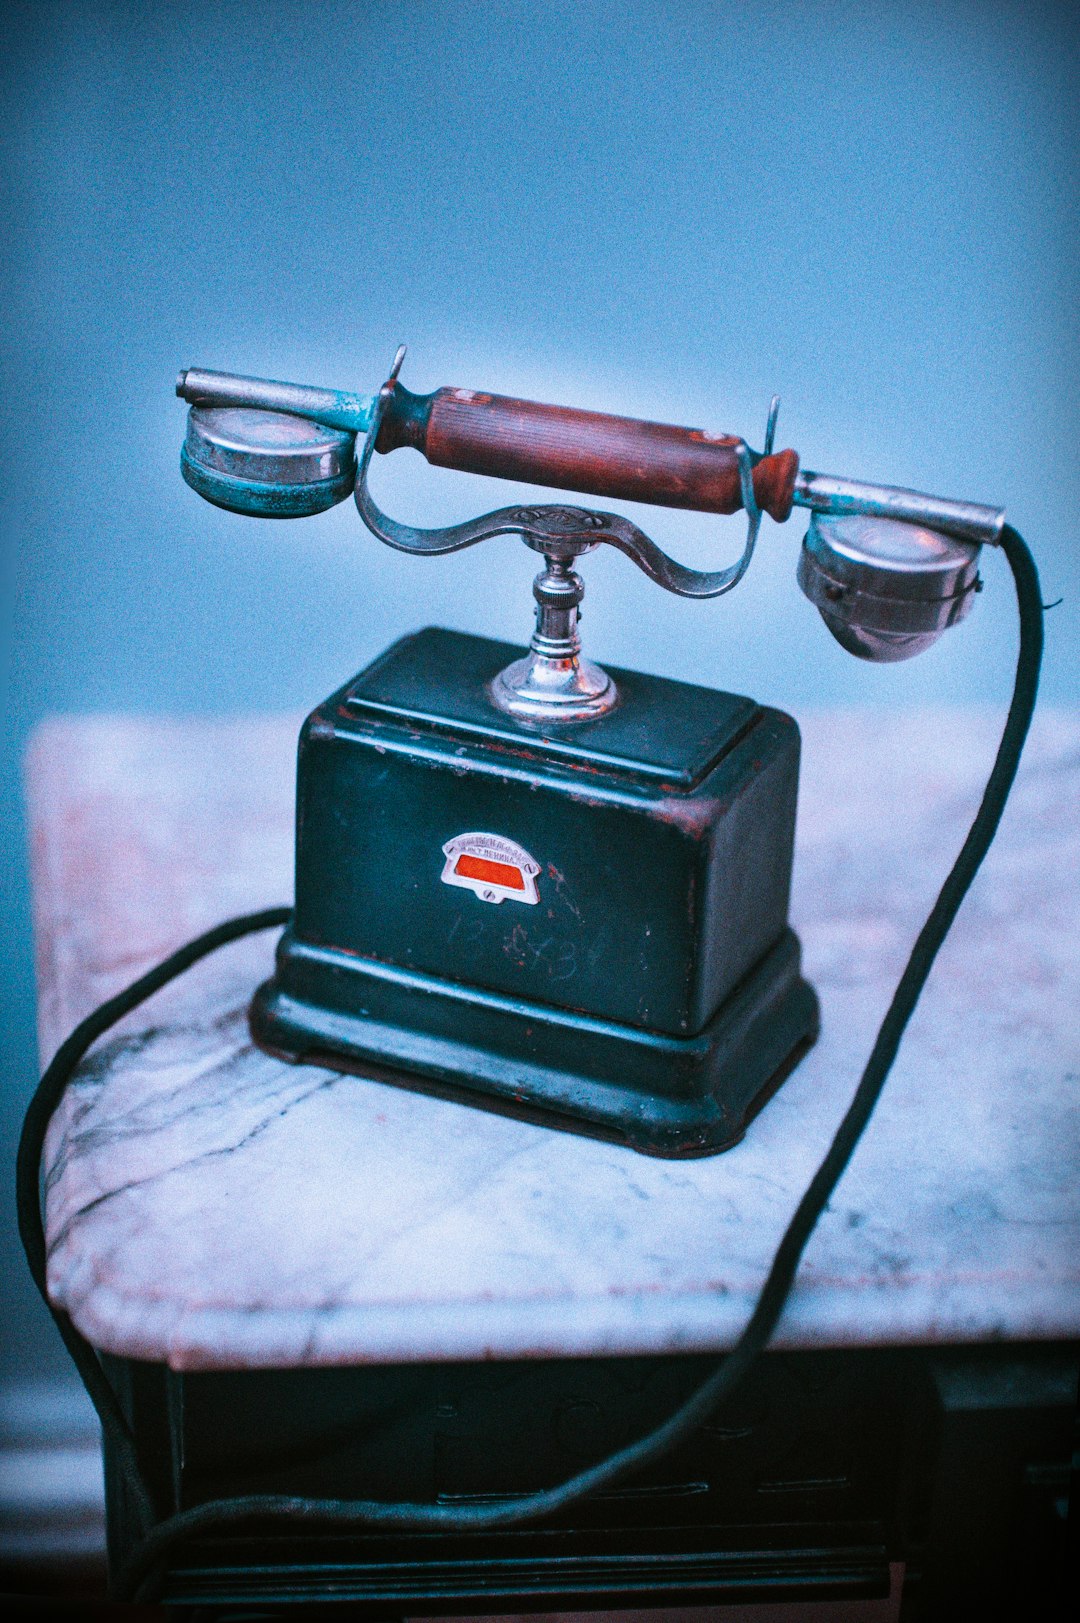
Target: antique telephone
{"x": 538, "y": 885}
{"x": 525, "y": 880}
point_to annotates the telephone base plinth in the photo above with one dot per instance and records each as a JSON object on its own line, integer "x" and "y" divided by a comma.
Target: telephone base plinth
{"x": 667, "y": 1096}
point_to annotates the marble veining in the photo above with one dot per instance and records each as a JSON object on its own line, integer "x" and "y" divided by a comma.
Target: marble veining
{"x": 215, "y": 1208}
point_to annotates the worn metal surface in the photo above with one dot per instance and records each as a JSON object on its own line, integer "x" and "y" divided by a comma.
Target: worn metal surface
{"x": 478, "y": 432}
{"x": 337, "y": 408}
{"x": 886, "y": 590}
{"x": 832, "y": 493}
{"x": 266, "y": 463}
{"x": 651, "y": 995}
{"x": 593, "y": 452}
{"x": 558, "y": 531}
{"x": 552, "y": 683}
{"x": 656, "y": 898}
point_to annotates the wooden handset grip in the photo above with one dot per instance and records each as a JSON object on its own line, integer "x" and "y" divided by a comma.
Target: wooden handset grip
{"x": 586, "y": 451}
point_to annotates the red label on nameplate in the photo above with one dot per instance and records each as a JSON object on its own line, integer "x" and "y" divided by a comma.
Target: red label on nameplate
{"x": 493, "y": 868}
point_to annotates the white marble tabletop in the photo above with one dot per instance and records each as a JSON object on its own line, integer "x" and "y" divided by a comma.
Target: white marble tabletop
{"x": 214, "y": 1208}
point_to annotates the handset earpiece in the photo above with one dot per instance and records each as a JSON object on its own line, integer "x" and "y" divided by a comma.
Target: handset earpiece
{"x": 886, "y": 588}
{"x": 268, "y": 464}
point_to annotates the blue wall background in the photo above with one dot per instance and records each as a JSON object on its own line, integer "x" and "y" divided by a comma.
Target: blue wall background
{"x": 668, "y": 210}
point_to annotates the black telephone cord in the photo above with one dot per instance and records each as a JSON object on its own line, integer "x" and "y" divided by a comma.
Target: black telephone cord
{"x": 161, "y": 1536}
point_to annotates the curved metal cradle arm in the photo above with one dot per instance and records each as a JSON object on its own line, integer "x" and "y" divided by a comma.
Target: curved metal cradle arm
{"x": 558, "y": 530}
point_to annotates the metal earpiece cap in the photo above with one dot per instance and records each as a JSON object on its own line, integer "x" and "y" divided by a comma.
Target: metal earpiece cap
{"x": 886, "y": 589}
{"x": 266, "y": 463}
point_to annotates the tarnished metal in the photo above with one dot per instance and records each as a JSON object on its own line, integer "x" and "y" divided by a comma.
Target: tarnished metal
{"x": 478, "y": 432}
{"x": 557, "y": 530}
{"x": 406, "y": 420}
{"x": 968, "y": 521}
{"x": 874, "y": 581}
{"x": 553, "y": 683}
{"x": 266, "y": 463}
{"x": 336, "y": 408}
{"x": 652, "y": 992}
{"x": 886, "y": 589}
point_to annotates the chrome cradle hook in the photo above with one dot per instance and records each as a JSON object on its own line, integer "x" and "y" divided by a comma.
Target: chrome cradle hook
{"x": 553, "y": 683}
{"x": 569, "y": 531}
